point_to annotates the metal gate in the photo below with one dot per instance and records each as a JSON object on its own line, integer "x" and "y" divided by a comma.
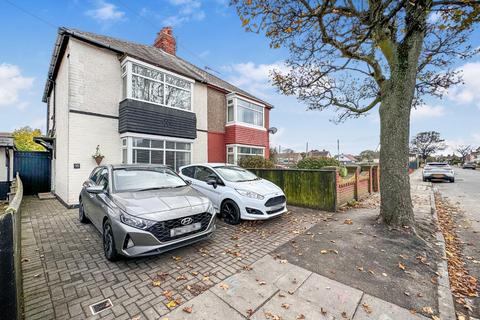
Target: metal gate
{"x": 34, "y": 168}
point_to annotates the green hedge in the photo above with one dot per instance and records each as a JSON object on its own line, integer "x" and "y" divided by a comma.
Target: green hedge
{"x": 255, "y": 162}
{"x": 304, "y": 188}
{"x": 317, "y": 163}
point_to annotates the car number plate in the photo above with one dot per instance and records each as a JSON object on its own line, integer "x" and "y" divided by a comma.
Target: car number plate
{"x": 437, "y": 175}
{"x": 185, "y": 229}
{"x": 278, "y": 206}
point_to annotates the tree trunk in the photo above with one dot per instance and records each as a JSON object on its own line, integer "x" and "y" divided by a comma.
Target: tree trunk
{"x": 397, "y": 96}
{"x": 396, "y": 204}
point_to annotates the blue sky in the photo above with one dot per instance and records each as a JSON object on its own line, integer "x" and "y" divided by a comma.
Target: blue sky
{"x": 208, "y": 33}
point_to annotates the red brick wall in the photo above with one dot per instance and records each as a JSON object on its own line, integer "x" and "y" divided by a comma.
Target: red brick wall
{"x": 236, "y": 134}
{"x": 216, "y": 147}
{"x": 362, "y": 188}
{"x": 345, "y": 190}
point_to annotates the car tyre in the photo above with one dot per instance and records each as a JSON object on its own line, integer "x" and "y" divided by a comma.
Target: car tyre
{"x": 81, "y": 213}
{"x": 452, "y": 180}
{"x": 109, "y": 243}
{"x": 230, "y": 212}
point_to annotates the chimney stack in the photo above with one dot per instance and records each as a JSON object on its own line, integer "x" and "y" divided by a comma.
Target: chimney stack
{"x": 166, "y": 41}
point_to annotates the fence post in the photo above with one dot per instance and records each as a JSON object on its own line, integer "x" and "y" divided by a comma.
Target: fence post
{"x": 355, "y": 193}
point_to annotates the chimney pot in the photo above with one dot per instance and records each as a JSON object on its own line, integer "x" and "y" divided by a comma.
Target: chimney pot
{"x": 166, "y": 41}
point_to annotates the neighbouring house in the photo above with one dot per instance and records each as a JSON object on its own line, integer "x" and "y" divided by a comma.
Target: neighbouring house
{"x": 6, "y": 163}
{"x": 141, "y": 104}
{"x": 474, "y": 156}
{"x": 288, "y": 158}
{"x": 346, "y": 159}
{"x": 319, "y": 154}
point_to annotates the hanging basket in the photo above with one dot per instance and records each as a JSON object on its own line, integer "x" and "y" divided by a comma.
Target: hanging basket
{"x": 98, "y": 159}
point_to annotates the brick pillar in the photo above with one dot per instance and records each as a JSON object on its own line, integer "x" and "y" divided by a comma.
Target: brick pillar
{"x": 337, "y": 188}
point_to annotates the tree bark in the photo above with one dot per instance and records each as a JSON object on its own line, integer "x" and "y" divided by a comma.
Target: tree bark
{"x": 396, "y": 204}
{"x": 397, "y": 96}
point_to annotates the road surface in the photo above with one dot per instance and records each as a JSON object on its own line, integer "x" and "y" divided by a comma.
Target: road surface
{"x": 465, "y": 193}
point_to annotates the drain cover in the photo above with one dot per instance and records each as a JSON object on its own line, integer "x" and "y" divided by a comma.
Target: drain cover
{"x": 101, "y": 306}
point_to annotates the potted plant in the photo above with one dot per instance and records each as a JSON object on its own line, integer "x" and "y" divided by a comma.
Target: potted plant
{"x": 98, "y": 156}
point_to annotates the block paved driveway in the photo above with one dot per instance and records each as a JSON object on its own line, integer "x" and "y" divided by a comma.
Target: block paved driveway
{"x": 64, "y": 270}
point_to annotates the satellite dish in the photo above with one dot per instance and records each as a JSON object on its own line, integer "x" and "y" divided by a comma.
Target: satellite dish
{"x": 272, "y": 130}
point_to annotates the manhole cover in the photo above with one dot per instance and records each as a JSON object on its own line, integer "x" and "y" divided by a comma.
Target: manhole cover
{"x": 100, "y": 306}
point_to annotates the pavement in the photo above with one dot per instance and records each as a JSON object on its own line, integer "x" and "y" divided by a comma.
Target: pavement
{"x": 465, "y": 194}
{"x": 276, "y": 289}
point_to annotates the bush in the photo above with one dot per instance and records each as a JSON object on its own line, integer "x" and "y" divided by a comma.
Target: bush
{"x": 317, "y": 163}
{"x": 343, "y": 172}
{"x": 255, "y": 162}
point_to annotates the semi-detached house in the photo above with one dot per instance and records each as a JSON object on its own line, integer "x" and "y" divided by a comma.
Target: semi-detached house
{"x": 141, "y": 104}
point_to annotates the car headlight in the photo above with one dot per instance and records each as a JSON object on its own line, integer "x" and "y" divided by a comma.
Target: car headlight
{"x": 250, "y": 194}
{"x": 136, "y": 222}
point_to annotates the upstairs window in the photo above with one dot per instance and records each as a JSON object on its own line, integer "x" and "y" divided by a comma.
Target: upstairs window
{"x": 153, "y": 85}
{"x": 245, "y": 112}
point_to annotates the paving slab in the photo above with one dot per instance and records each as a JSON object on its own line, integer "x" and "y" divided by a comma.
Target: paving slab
{"x": 206, "y": 306}
{"x": 337, "y": 299}
{"x": 289, "y": 306}
{"x": 383, "y": 310}
{"x": 244, "y": 292}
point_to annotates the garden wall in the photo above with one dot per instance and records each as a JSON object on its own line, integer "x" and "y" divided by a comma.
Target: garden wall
{"x": 323, "y": 189}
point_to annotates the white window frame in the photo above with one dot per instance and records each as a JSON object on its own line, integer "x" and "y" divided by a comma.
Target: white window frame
{"x": 130, "y": 136}
{"x": 128, "y": 61}
{"x": 235, "y": 121}
{"x": 236, "y": 153}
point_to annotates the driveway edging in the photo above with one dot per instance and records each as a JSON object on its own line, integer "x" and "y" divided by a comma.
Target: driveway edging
{"x": 446, "y": 307}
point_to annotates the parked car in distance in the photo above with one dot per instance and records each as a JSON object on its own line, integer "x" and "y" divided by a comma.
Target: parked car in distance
{"x": 438, "y": 171}
{"x": 144, "y": 209}
{"x": 469, "y": 165}
{"x": 236, "y": 193}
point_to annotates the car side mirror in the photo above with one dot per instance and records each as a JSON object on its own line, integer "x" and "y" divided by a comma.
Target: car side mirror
{"x": 188, "y": 182}
{"x": 213, "y": 182}
{"x": 95, "y": 189}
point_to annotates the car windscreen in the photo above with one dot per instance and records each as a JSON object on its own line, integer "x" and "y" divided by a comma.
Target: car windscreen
{"x": 128, "y": 179}
{"x": 235, "y": 174}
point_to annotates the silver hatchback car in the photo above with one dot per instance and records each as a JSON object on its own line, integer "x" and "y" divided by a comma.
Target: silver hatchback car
{"x": 144, "y": 209}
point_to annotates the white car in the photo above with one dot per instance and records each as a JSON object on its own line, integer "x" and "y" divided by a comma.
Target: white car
{"x": 438, "y": 171}
{"x": 236, "y": 193}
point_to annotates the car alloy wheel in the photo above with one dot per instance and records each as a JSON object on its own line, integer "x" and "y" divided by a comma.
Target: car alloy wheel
{"x": 109, "y": 243}
{"x": 230, "y": 212}
{"x": 81, "y": 213}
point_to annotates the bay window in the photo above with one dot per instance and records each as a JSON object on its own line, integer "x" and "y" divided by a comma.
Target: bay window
{"x": 151, "y": 84}
{"x": 243, "y": 111}
{"x": 236, "y": 152}
{"x": 156, "y": 151}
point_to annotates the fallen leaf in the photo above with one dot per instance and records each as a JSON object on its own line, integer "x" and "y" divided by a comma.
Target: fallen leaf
{"x": 285, "y": 305}
{"x": 249, "y": 312}
{"x": 224, "y": 286}
{"x": 323, "y": 311}
{"x": 156, "y": 283}
{"x": 401, "y": 266}
{"x": 344, "y": 315}
{"x": 187, "y": 309}
{"x": 427, "y": 310}
{"x": 283, "y": 261}
{"x": 181, "y": 277}
{"x": 323, "y": 251}
{"x": 367, "y": 308}
{"x": 281, "y": 295}
{"x": 301, "y": 316}
{"x": 172, "y": 304}
{"x": 176, "y": 258}
{"x": 348, "y": 221}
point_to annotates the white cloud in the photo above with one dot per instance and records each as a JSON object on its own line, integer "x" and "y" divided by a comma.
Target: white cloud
{"x": 428, "y": 111}
{"x": 253, "y": 78}
{"x": 469, "y": 92}
{"x": 187, "y": 10}
{"x": 105, "y": 12}
{"x": 12, "y": 83}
